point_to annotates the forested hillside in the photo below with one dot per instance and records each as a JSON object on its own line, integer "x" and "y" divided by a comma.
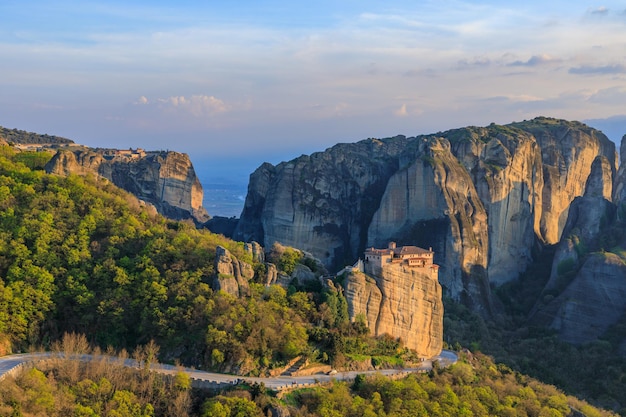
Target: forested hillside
{"x": 79, "y": 255}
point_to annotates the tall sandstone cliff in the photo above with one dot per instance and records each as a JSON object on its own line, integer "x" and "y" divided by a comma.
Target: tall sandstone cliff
{"x": 166, "y": 180}
{"x": 586, "y": 292}
{"x": 481, "y": 197}
{"x": 402, "y": 302}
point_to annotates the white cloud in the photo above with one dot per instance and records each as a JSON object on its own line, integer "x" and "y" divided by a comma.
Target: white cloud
{"x": 197, "y": 105}
{"x": 525, "y": 98}
{"x": 602, "y": 11}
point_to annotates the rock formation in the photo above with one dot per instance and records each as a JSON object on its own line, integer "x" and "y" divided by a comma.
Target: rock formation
{"x": 619, "y": 188}
{"x": 586, "y": 291}
{"x": 481, "y": 197}
{"x": 594, "y": 300}
{"x": 256, "y": 251}
{"x": 400, "y": 300}
{"x": 231, "y": 274}
{"x": 587, "y": 217}
{"x": 166, "y": 180}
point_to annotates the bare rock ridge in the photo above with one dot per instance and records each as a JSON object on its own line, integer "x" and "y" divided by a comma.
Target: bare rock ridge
{"x": 481, "y": 197}
{"x": 167, "y": 180}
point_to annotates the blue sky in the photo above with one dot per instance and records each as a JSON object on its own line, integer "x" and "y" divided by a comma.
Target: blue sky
{"x": 238, "y": 83}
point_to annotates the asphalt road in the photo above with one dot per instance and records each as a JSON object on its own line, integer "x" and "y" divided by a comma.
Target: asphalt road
{"x": 446, "y": 358}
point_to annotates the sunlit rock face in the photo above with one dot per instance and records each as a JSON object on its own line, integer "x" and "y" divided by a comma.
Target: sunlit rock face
{"x": 619, "y": 188}
{"x": 231, "y": 274}
{"x": 398, "y": 299}
{"x": 167, "y": 180}
{"x": 481, "y": 197}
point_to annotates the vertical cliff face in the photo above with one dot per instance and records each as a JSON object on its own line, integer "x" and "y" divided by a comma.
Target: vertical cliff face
{"x": 166, "y": 180}
{"x": 619, "y": 189}
{"x": 481, "y": 197}
{"x": 588, "y": 216}
{"x": 586, "y": 290}
{"x": 435, "y": 192}
{"x": 568, "y": 151}
{"x": 505, "y": 167}
{"x": 326, "y": 200}
{"x": 592, "y": 301}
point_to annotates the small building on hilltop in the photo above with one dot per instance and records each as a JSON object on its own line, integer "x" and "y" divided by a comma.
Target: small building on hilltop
{"x": 404, "y": 256}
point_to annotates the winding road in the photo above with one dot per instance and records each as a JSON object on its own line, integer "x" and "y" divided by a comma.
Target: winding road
{"x": 446, "y": 358}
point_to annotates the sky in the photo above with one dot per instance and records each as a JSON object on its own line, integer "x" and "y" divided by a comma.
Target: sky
{"x": 237, "y": 83}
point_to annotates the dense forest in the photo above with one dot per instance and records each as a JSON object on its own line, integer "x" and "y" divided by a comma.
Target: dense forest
{"x": 78, "y": 255}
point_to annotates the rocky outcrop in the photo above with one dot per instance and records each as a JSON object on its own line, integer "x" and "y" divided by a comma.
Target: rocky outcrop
{"x": 619, "y": 188}
{"x": 403, "y": 302}
{"x": 481, "y": 197}
{"x": 274, "y": 277}
{"x": 322, "y": 203}
{"x": 587, "y": 217}
{"x": 256, "y": 251}
{"x": 593, "y": 301}
{"x": 303, "y": 274}
{"x": 166, "y": 180}
{"x": 568, "y": 151}
{"x": 271, "y": 274}
{"x": 431, "y": 190}
{"x": 583, "y": 296}
{"x": 364, "y": 297}
{"x": 505, "y": 166}
{"x": 231, "y": 274}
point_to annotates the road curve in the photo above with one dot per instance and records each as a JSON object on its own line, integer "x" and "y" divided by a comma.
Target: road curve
{"x": 446, "y": 358}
